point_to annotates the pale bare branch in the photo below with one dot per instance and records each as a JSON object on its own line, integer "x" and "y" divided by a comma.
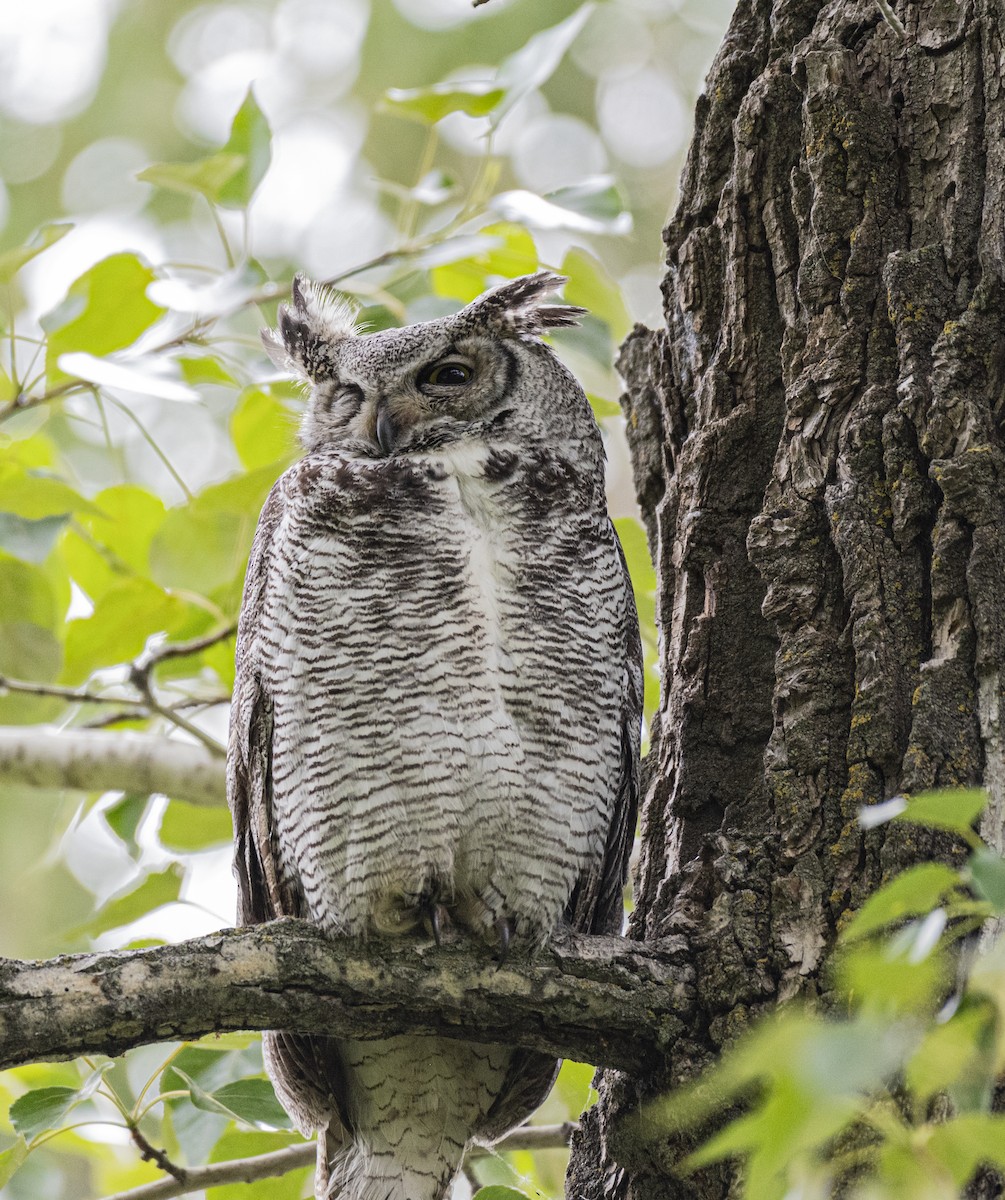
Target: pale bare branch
{"x": 94, "y": 761}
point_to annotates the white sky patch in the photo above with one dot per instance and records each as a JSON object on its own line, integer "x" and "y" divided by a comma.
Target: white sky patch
{"x": 27, "y": 151}
{"x": 614, "y": 42}
{"x": 46, "y": 278}
{"x": 642, "y": 117}
{"x": 213, "y": 31}
{"x": 103, "y": 177}
{"x": 52, "y": 53}
{"x": 557, "y": 149}
{"x": 215, "y": 92}
{"x": 441, "y": 14}
{"x": 311, "y": 162}
{"x": 322, "y": 38}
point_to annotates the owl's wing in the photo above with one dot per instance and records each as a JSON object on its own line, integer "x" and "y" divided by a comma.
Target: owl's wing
{"x": 306, "y": 1070}
{"x": 597, "y": 904}
{"x": 260, "y": 897}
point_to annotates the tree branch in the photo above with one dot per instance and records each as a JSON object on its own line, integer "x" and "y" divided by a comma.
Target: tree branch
{"x": 600, "y": 1000}
{"x": 291, "y": 1158}
{"x": 43, "y": 757}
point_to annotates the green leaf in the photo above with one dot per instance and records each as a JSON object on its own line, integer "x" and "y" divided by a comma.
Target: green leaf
{"x": 253, "y": 1099}
{"x": 967, "y": 1142}
{"x": 251, "y": 140}
{"x": 204, "y": 177}
{"x": 124, "y": 617}
{"x": 594, "y": 206}
{"x": 48, "y": 235}
{"x": 32, "y": 496}
{"x": 953, "y": 1051}
{"x": 535, "y": 62}
{"x": 44, "y": 1108}
{"x": 221, "y": 522}
{"x": 263, "y": 429}
{"x": 124, "y": 818}
{"x": 498, "y": 1192}
{"x": 603, "y": 407}
{"x": 574, "y": 1086}
{"x": 510, "y": 253}
{"x": 889, "y": 984}
{"x": 186, "y": 827}
{"x": 11, "y": 1159}
{"x": 591, "y": 287}
{"x": 205, "y": 368}
{"x": 209, "y": 1102}
{"x": 431, "y": 104}
{"x": 230, "y": 176}
{"x": 115, "y": 544}
{"x": 155, "y": 891}
{"x": 106, "y": 310}
{"x": 143, "y": 376}
{"x": 912, "y": 893}
{"x": 30, "y": 540}
{"x": 35, "y": 451}
{"x": 987, "y": 869}
{"x": 41, "y": 1109}
{"x": 954, "y": 808}
{"x": 8, "y": 388}
{"x": 29, "y": 652}
{"x": 27, "y": 592}
{"x": 598, "y": 198}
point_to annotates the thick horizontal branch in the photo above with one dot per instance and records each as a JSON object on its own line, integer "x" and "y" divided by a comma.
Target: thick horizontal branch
{"x": 42, "y": 757}
{"x": 600, "y": 1000}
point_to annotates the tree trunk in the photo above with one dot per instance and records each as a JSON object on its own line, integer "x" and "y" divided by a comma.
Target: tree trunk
{"x": 817, "y": 440}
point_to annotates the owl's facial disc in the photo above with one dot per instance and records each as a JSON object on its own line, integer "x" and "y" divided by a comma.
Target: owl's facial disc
{"x": 375, "y": 406}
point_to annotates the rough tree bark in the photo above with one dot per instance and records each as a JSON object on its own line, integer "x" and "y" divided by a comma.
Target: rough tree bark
{"x": 817, "y": 440}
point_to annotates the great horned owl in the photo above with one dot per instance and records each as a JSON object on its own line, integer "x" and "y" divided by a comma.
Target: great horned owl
{"x": 437, "y": 705}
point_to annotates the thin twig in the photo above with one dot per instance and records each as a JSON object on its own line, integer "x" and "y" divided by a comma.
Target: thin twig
{"x": 76, "y": 695}
{"x": 150, "y": 658}
{"x": 150, "y": 1153}
{"x": 192, "y": 336}
{"x": 143, "y": 666}
{"x": 292, "y": 1158}
{"x": 140, "y": 679}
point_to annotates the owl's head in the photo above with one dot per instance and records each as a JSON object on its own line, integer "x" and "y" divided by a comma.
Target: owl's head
{"x": 482, "y": 371}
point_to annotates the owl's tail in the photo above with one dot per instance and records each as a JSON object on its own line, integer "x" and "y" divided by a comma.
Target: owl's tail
{"x": 360, "y": 1172}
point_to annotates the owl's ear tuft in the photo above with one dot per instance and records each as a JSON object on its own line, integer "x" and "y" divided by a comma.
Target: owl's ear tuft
{"x": 514, "y": 309}
{"x": 310, "y": 331}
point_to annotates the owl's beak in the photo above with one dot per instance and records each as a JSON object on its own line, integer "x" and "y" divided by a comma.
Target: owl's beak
{"x": 387, "y": 430}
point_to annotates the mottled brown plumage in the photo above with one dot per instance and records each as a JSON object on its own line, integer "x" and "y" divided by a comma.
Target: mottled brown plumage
{"x": 438, "y": 696}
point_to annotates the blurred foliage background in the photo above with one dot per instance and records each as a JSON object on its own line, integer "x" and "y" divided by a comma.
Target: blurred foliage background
{"x": 166, "y": 167}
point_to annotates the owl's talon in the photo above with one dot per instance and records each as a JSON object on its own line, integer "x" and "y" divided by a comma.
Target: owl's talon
{"x": 439, "y": 919}
{"x": 505, "y": 927}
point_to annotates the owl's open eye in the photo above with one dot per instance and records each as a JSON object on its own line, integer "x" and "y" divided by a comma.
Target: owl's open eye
{"x": 451, "y": 373}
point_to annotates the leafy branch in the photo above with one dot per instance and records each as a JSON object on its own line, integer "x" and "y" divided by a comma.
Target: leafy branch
{"x": 141, "y": 678}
